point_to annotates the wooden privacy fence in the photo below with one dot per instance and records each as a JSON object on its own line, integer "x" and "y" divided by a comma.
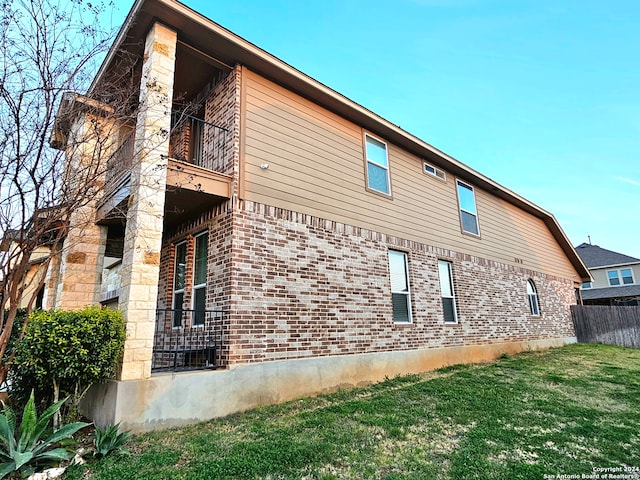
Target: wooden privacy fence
{"x": 610, "y": 325}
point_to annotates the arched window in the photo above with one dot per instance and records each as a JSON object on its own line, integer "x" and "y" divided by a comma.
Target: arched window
{"x": 532, "y": 295}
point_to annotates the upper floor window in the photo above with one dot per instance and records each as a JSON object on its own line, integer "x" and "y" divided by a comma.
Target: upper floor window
{"x": 586, "y": 285}
{"x": 614, "y": 277}
{"x": 431, "y": 170}
{"x": 468, "y": 211}
{"x": 400, "y": 295}
{"x": 377, "y": 165}
{"x": 532, "y": 295}
{"x": 627, "y": 276}
{"x": 446, "y": 291}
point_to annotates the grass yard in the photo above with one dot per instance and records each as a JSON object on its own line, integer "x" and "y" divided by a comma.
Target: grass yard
{"x": 559, "y": 412}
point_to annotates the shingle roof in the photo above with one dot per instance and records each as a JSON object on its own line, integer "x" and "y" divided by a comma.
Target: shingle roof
{"x": 610, "y": 292}
{"x": 593, "y": 256}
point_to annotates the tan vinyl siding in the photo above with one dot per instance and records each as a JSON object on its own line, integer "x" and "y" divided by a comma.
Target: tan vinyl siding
{"x": 316, "y": 166}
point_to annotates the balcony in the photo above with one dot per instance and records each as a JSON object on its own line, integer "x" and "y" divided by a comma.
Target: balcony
{"x": 199, "y": 161}
{"x": 187, "y": 340}
{"x": 120, "y": 162}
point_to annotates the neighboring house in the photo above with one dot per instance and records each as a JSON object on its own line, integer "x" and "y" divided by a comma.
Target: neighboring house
{"x": 616, "y": 277}
{"x": 293, "y": 239}
{"x": 36, "y": 279}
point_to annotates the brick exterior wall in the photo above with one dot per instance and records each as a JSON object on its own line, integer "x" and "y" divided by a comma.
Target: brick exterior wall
{"x": 221, "y": 101}
{"x": 305, "y": 286}
{"x": 218, "y": 223}
{"x": 222, "y": 109}
{"x": 298, "y": 286}
{"x": 179, "y": 142}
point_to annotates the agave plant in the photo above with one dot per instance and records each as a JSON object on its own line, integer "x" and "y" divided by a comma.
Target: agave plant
{"x": 108, "y": 439}
{"x": 33, "y": 444}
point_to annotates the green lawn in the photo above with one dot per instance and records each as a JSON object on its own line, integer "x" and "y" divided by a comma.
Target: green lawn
{"x": 564, "y": 411}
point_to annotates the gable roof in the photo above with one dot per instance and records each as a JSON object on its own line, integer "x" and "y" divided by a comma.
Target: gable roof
{"x": 230, "y": 49}
{"x": 594, "y": 256}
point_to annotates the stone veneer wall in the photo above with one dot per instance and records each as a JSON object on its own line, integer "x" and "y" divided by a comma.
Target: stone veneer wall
{"x": 308, "y": 287}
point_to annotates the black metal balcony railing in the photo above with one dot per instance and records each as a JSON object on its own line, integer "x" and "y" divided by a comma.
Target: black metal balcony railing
{"x": 191, "y": 140}
{"x": 195, "y": 345}
{"x": 197, "y": 141}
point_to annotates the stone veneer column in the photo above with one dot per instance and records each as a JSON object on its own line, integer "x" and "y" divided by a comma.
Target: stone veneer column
{"x": 143, "y": 234}
{"x": 80, "y": 269}
{"x": 81, "y": 263}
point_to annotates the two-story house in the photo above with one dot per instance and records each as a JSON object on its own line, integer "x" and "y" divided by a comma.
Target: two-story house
{"x": 292, "y": 240}
{"x": 616, "y": 277}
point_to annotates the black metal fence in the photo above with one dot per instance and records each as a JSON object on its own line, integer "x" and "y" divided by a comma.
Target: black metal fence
{"x": 195, "y": 345}
{"x": 609, "y": 325}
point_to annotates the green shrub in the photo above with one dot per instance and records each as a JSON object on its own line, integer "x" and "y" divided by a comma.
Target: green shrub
{"x": 63, "y": 353}
{"x": 108, "y": 439}
{"x": 33, "y": 444}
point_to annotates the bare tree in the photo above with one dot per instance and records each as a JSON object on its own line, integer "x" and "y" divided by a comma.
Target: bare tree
{"x": 50, "y": 48}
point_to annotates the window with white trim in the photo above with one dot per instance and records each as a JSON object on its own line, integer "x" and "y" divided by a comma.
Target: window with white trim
{"x": 447, "y": 292}
{"x": 468, "y": 210}
{"x": 586, "y": 285}
{"x": 532, "y": 296}
{"x": 615, "y": 275}
{"x": 431, "y": 170}
{"x": 179, "y": 281}
{"x": 377, "y": 165}
{"x": 400, "y": 294}
{"x": 200, "y": 278}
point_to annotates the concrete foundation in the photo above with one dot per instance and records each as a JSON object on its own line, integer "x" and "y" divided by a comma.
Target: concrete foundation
{"x": 168, "y": 400}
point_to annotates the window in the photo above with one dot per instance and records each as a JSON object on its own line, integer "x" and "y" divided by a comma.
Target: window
{"x": 532, "y": 295}
{"x": 400, "y": 297}
{"x": 200, "y": 278}
{"x": 586, "y": 285}
{"x": 431, "y": 170}
{"x": 377, "y": 165}
{"x": 468, "y": 212}
{"x": 615, "y": 275}
{"x": 446, "y": 290}
{"x": 179, "y": 279}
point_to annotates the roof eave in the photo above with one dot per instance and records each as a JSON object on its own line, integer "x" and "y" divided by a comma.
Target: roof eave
{"x": 117, "y": 43}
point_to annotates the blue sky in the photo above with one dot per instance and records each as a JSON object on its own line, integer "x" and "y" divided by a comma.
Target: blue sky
{"x": 543, "y": 96}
